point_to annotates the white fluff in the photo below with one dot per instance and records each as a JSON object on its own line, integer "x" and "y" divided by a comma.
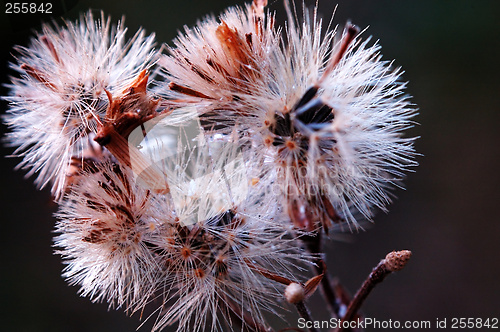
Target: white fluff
{"x": 51, "y": 115}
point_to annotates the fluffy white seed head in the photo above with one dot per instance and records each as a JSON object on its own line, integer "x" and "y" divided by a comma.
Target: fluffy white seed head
{"x": 321, "y": 109}
{"x": 59, "y": 96}
{"x": 342, "y": 149}
{"x": 107, "y": 225}
{"x": 219, "y": 60}
{"x": 207, "y": 248}
{"x": 228, "y": 232}
{"x": 291, "y": 124}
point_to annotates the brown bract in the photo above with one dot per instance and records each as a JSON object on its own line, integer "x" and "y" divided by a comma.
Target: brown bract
{"x": 130, "y": 110}
{"x": 124, "y": 114}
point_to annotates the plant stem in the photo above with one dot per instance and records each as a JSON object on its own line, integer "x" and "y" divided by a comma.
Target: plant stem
{"x": 376, "y": 276}
{"x": 304, "y": 313}
{"x": 394, "y": 261}
{"x": 313, "y": 244}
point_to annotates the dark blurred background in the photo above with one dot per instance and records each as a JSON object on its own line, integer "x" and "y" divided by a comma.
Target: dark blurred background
{"x": 448, "y": 216}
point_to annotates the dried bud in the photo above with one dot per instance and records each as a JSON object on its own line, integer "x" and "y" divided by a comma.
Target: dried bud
{"x": 396, "y": 260}
{"x": 294, "y": 293}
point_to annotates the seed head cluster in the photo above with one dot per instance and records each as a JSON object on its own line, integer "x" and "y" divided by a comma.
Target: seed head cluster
{"x": 321, "y": 109}
{"x": 186, "y": 179}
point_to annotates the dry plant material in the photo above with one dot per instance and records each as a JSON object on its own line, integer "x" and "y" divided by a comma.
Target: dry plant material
{"x": 298, "y": 133}
{"x": 394, "y": 261}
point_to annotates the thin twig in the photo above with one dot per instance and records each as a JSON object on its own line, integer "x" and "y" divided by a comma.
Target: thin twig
{"x": 304, "y": 313}
{"x": 313, "y": 244}
{"x": 376, "y": 276}
{"x": 394, "y": 261}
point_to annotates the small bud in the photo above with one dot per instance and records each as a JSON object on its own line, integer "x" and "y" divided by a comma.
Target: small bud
{"x": 396, "y": 260}
{"x": 294, "y": 293}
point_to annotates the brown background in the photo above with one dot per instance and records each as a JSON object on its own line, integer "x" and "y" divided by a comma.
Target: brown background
{"x": 448, "y": 215}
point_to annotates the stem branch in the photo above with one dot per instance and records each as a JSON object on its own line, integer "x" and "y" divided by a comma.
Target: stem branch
{"x": 304, "y": 313}
{"x": 394, "y": 261}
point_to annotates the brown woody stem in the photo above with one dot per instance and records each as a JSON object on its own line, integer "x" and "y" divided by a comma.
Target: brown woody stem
{"x": 304, "y": 313}
{"x": 394, "y": 261}
{"x": 313, "y": 244}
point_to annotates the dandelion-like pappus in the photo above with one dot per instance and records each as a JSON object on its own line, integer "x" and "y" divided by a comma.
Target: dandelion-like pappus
{"x": 61, "y": 94}
{"x": 205, "y": 199}
{"x": 106, "y": 225}
{"x": 324, "y": 110}
{"x": 208, "y": 258}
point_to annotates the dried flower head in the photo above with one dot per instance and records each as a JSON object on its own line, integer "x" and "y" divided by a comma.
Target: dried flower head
{"x": 228, "y": 240}
{"x": 211, "y": 249}
{"x": 202, "y": 201}
{"x": 60, "y": 95}
{"x": 216, "y": 61}
{"x": 325, "y": 111}
{"x": 107, "y": 224}
{"x": 223, "y": 270}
